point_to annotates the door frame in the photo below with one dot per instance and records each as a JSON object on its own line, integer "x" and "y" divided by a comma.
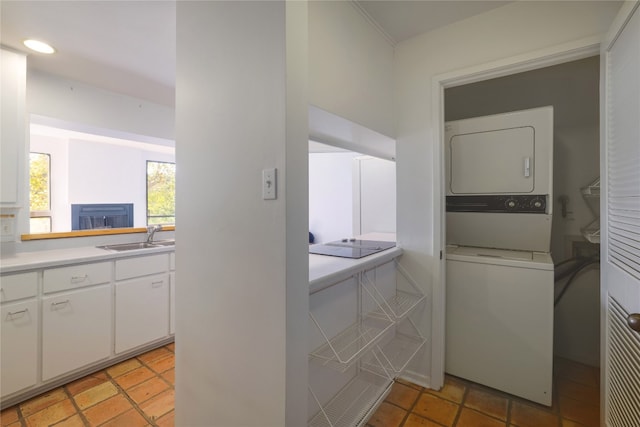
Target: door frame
{"x": 566, "y": 52}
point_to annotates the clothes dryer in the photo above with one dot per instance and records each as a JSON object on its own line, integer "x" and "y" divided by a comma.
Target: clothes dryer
{"x": 499, "y": 180}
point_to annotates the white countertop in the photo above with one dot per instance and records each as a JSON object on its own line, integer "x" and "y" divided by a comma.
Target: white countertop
{"x": 22, "y": 261}
{"x": 325, "y": 270}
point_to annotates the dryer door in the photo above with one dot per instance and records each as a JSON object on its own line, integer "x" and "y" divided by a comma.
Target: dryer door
{"x": 492, "y": 162}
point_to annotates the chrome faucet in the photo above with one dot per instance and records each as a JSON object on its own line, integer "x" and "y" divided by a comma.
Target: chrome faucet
{"x": 151, "y": 230}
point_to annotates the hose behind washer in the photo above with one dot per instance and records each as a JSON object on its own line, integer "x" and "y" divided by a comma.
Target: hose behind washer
{"x": 574, "y": 274}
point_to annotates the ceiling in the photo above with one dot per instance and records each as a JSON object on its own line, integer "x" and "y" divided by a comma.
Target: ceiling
{"x": 130, "y": 47}
{"x": 401, "y": 19}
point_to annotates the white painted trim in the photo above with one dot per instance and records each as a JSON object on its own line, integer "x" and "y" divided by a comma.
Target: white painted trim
{"x": 357, "y": 6}
{"x": 566, "y": 52}
{"x": 618, "y": 24}
{"x": 554, "y": 55}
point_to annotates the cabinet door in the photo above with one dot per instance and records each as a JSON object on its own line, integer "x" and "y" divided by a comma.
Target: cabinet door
{"x": 142, "y": 311}
{"x": 19, "y": 347}
{"x": 76, "y": 330}
{"x": 12, "y": 128}
{"x": 172, "y": 303}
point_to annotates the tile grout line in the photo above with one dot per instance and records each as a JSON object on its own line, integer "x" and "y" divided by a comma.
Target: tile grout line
{"x": 75, "y": 405}
{"x": 413, "y": 405}
{"x": 135, "y": 406}
{"x": 126, "y": 396}
{"x": 467, "y": 387}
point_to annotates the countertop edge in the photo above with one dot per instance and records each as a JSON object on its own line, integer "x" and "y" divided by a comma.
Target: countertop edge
{"x": 26, "y": 261}
{"x": 352, "y": 266}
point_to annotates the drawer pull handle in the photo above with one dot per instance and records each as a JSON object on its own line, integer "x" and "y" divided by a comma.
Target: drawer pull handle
{"x": 79, "y": 279}
{"x": 10, "y": 314}
{"x": 157, "y": 283}
{"x": 57, "y": 304}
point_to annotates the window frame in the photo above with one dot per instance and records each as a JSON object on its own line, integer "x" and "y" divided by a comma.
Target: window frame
{"x": 148, "y": 216}
{"x": 42, "y": 213}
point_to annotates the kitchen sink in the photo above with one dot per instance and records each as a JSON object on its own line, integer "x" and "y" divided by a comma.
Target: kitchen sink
{"x": 164, "y": 243}
{"x": 137, "y": 245}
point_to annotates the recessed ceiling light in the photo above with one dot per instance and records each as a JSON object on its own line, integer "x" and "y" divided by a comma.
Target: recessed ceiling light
{"x": 38, "y": 46}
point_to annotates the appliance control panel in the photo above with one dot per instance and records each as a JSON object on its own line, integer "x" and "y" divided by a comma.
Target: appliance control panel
{"x": 498, "y": 204}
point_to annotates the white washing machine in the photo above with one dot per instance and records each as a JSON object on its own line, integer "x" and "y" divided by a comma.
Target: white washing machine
{"x": 499, "y": 320}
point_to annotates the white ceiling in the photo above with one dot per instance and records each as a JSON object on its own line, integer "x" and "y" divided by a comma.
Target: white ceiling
{"x": 402, "y": 19}
{"x": 129, "y": 46}
{"x": 125, "y": 46}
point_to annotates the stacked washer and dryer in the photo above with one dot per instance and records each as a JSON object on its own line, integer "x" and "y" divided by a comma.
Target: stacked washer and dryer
{"x": 500, "y": 278}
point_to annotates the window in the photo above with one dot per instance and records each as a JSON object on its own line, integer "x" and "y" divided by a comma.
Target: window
{"x": 161, "y": 193}
{"x": 40, "y": 192}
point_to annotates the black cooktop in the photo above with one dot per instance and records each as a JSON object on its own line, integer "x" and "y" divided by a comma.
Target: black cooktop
{"x": 351, "y": 248}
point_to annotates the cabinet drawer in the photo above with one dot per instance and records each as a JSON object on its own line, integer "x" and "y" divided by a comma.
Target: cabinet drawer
{"x": 19, "y": 349}
{"x": 77, "y": 276}
{"x": 18, "y": 286}
{"x": 141, "y": 266}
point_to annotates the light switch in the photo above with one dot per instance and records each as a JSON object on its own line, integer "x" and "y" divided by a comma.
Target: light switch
{"x": 6, "y": 225}
{"x": 269, "y": 184}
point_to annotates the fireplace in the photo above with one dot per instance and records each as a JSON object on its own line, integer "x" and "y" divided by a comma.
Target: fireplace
{"x": 96, "y": 216}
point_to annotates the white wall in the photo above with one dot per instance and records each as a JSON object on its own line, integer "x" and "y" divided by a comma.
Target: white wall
{"x": 76, "y": 102}
{"x": 502, "y": 33}
{"x": 375, "y": 196}
{"x": 331, "y": 195}
{"x": 241, "y": 261}
{"x": 350, "y": 66}
{"x": 95, "y": 172}
{"x": 81, "y": 107}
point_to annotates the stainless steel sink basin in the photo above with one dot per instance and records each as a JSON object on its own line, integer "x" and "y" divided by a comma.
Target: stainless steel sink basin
{"x": 164, "y": 242}
{"x": 138, "y": 245}
{"x": 129, "y": 246}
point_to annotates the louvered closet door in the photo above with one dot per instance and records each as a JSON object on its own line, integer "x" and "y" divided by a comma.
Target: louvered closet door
{"x": 621, "y": 220}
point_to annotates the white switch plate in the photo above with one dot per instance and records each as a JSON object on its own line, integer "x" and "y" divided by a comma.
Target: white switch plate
{"x": 269, "y": 184}
{"x": 6, "y": 226}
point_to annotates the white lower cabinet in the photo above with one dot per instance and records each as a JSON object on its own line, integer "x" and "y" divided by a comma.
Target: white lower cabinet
{"x": 142, "y": 311}
{"x": 70, "y": 318}
{"x": 76, "y": 330}
{"x": 19, "y": 346}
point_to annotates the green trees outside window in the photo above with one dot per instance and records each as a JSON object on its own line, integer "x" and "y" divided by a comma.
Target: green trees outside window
{"x": 40, "y": 193}
{"x": 161, "y": 193}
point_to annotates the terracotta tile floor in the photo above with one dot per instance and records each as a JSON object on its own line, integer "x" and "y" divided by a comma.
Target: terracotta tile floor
{"x": 136, "y": 392}
{"x": 462, "y": 403}
{"x": 140, "y": 392}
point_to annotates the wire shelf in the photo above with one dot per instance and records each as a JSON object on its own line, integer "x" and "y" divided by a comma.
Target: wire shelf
{"x": 398, "y": 352}
{"x": 593, "y": 189}
{"x": 404, "y": 301}
{"x": 354, "y": 404}
{"x": 341, "y": 351}
{"x": 591, "y": 195}
{"x": 592, "y": 232}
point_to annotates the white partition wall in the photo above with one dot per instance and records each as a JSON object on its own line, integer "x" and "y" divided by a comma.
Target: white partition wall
{"x": 241, "y": 261}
